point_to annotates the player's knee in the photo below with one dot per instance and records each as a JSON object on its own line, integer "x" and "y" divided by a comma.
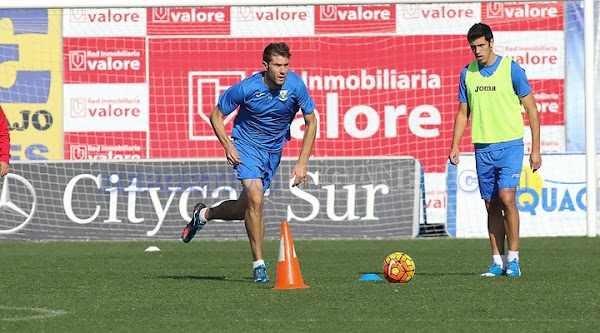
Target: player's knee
{"x": 255, "y": 201}
{"x": 507, "y": 198}
{"x": 510, "y": 206}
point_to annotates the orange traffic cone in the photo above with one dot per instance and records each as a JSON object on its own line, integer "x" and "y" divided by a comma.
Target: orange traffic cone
{"x": 288, "y": 269}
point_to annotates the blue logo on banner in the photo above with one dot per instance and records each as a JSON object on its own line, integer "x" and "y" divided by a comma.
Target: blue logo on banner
{"x": 29, "y": 86}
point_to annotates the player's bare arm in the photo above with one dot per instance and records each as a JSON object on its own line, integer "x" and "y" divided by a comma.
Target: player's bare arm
{"x": 535, "y": 158}
{"x": 3, "y": 168}
{"x": 299, "y": 173}
{"x": 216, "y": 120}
{"x": 460, "y": 125}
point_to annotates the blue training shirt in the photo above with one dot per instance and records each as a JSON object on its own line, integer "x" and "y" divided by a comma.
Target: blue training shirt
{"x": 265, "y": 115}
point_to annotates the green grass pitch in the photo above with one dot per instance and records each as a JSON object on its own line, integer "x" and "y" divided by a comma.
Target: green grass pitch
{"x": 206, "y": 286}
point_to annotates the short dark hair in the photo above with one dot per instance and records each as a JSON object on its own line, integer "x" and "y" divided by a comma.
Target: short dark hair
{"x": 479, "y": 30}
{"x": 276, "y": 49}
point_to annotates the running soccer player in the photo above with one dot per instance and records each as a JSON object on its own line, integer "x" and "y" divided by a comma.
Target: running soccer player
{"x": 492, "y": 90}
{"x": 268, "y": 102}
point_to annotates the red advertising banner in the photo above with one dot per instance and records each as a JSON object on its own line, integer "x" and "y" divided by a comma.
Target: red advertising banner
{"x": 523, "y": 16}
{"x": 104, "y": 60}
{"x": 189, "y": 21}
{"x": 105, "y": 145}
{"x": 381, "y": 90}
{"x": 550, "y": 99}
{"x": 334, "y": 19}
{"x": 375, "y": 95}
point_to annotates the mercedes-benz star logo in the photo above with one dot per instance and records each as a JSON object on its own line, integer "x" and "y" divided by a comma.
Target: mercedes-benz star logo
{"x": 9, "y": 183}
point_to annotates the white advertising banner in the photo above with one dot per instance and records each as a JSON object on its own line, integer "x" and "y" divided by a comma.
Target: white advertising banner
{"x": 104, "y": 22}
{"x": 552, "y": 139}
{"x": 89, "y": 199}
{"x": 540, "y": 53}
{"x": 272, "y": 21}
{"x": 105, "y": 107}
{"x": 551, "y": 201}
{"x": 437, "y": 19}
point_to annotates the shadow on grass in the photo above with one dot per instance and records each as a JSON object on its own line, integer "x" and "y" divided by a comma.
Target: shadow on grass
{"x": 431, "y": 273}
{"x": 198, "y": 277}
{"x": 448, "y": 273}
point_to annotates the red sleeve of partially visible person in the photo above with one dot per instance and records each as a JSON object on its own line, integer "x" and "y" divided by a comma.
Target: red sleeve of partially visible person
{"x": 4, "y": 138}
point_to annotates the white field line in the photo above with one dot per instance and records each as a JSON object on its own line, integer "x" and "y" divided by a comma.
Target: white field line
{"x": 30, "y": 313}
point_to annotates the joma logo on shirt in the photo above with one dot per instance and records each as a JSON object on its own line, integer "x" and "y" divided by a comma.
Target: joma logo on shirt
{"x": 485, "y": 88}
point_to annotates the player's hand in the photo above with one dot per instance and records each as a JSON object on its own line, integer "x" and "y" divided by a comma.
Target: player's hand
{"x": 233, "y": 157}
{"x": 3, "y": 168}
{"x": 299, "y": 175}
{"x": 453, "y": 156}
{"x": 535, "y": 161}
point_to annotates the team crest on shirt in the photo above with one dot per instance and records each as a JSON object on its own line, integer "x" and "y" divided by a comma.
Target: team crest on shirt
{"x": 283, "y": 95}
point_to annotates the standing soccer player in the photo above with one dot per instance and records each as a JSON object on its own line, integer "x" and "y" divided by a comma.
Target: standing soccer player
{"x": 492, "y": 90}
{"x": 4, "y": 144}
{"x": 268, "y": 102}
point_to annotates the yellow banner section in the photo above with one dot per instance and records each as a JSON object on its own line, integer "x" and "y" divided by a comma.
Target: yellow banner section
{"x": 31, "y": 81}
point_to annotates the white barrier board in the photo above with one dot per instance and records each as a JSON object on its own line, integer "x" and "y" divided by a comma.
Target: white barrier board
{"x": 551, "y": 201}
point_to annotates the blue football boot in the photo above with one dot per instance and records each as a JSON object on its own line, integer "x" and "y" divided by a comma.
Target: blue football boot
{"x": 513, "y": 269}
{"x": 190, "y": 229}
{"x": 260, "y": 274}
{"x": 493, "y": 270}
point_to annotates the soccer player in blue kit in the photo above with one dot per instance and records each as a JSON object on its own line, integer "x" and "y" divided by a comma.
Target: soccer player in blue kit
{"x": 268, "y": 102}
{"x": 493, "y": 90}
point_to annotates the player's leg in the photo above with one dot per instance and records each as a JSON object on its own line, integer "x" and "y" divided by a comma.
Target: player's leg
{"x": 511, "y": 217}
{"x": 255, "y": 225}
{"x": 247, "y": 207}
{"x": 252, "y": 172}
{"x": 228, "y": 210}
{"x": 487, "y": 179}
{"x": 254, "y": 215}
{"x": 496, "y": 234}
{"x": 512, "y": 224}
{"x": 496, "y": 230}
{"x": 509, "y": 177}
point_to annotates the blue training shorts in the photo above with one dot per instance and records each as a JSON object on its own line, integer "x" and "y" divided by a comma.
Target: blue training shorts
{"x": 256, "y": 163}
{"x": 498, "y": 169}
